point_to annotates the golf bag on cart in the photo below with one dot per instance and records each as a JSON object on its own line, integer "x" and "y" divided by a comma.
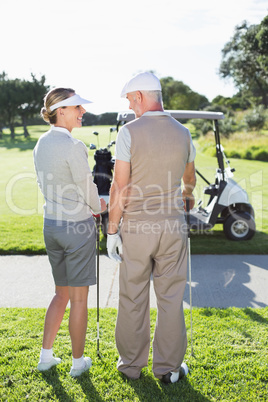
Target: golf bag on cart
{"x": 102, "y": 177}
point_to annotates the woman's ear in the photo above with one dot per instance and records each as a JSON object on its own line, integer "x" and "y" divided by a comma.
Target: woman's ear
{"x": 60, "y": 111}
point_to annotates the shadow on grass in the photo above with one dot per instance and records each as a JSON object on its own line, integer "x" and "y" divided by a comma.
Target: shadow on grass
{"x": 215, "y": 242}
{"x": 88, "y": 388}
{"x": 232, "y": 313}
{"x": 52, "y": 378}
{"x": 149, "y": 389}
{"x": 20, "y": 142}
{"x": 255, "y": 316}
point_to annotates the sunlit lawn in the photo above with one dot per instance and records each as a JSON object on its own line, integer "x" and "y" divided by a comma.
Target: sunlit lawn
{"x": 21, "y": 201}
{"x": 229, "y": 362}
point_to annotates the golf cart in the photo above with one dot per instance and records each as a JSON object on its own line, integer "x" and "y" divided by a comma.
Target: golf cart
{"x": 228, "y": 203}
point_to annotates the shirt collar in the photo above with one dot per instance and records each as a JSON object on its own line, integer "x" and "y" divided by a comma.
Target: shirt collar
{"x": 156, "y": 113}
{"x": 61, "y": 129}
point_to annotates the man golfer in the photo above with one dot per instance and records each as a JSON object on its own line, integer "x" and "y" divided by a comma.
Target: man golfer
{"x": 154, "y": 153}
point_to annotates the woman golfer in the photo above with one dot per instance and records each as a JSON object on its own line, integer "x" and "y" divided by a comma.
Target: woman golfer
{"x": 65, "y": 179}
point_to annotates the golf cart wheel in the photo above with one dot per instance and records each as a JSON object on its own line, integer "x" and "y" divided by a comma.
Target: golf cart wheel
{"x": 239, "y": 226}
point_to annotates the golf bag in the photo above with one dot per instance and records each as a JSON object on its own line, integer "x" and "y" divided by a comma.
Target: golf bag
{"x": 102, "y": 177}
{"x": 102, "y": 171}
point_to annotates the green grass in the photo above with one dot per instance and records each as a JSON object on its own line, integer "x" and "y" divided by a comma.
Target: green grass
{"x": 21, "y": 201}
{"x": 241, "y": 145}
{"x": 251, "y": 176}
{"x": 19, "y": 193}
{"x": 230, "y": 361}
{"x": 20, "y": 198}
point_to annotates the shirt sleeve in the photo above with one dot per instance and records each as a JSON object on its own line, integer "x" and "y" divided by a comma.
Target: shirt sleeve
{"x": 82, "y": 176}
{"x": 78, "y": 161}
{"x": 192, "y": 152}
{"x": 89, "y": 192}
{"x": 123, "y": 144}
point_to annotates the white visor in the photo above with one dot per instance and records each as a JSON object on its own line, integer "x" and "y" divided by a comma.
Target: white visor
{"x": 73, "y": 100}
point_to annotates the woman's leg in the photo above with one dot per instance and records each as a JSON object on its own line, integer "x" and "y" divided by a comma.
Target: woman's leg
{"x": 78, "y": 319}
{"x": 54, "y": 316}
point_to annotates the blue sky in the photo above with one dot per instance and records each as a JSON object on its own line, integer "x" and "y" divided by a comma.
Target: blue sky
{"x": 94, "y": 47}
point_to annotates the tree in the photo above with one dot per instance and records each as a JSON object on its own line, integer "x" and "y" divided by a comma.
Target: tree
{"x": 20, "y": 99}
{"x": 90, "y": 119}
{"x": 226, "y": 104}
{"x": 177, "y": 95}
{"x": 245, "y": 60}
{"x": 9, "y": 101}
{"x": 33, "y": 94}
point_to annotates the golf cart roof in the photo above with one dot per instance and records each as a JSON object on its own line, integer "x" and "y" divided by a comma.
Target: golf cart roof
{"x": 177, "y": 114}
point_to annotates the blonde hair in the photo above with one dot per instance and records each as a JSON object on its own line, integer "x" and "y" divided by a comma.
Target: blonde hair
{"x": 54, "y": 96}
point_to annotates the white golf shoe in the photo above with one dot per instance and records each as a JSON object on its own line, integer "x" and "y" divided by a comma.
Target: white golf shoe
{"x": 78, "y": 372}
{"x": 46, "y": 366}
{"x": 173, "y": 376}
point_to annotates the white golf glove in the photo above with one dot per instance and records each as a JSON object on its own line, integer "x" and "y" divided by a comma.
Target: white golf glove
{"x": 114, "y": 241}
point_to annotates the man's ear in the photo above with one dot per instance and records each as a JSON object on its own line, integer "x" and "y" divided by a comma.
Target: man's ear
{"x": 139, "y": 96}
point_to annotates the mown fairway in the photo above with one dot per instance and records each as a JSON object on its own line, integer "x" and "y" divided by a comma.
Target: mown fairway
{"x": 21, "y": 201}
{"x": 229, "y": 361}
{"x": 230, "y": 345}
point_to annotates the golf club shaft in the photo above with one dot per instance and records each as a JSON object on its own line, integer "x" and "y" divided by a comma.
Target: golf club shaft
{"x": 190, "y": 269}
{"x": 190, "y": 291}
{"x": 98, "y": 284}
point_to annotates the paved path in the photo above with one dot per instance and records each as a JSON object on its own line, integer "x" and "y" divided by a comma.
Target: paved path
{"x": 217, "y": 281}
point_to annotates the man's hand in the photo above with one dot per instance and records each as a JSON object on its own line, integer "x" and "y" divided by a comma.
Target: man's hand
{"x": 189, "y": 181}
{"x": 191, "y": 200}
{"x": 114, "y": 241}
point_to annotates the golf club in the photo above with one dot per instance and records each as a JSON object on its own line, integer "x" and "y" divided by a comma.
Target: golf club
{"x": 97, "y": 135}
{"x": 98, "y": 223}
{"x": 190, "y": 268}
{"x": 112, "y": 130}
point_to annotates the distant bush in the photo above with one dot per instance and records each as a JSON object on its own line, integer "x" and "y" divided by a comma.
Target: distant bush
{"x": 202, "y": 126}
{"x": 247, "y": 154}
{"x": 255, "y": 119}
{"x": 227, "y": 126}
{"x": 261, "y": 155}
{"x": 233, "y": 154}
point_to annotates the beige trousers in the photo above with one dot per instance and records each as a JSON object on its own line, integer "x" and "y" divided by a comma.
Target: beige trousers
{"x": 157, "y": 248}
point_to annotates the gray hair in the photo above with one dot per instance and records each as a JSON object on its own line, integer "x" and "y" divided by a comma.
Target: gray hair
{"x": 155, "y": 95}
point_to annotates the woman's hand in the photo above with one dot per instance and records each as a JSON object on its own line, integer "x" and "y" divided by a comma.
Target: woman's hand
{"x": 103, "y": 205}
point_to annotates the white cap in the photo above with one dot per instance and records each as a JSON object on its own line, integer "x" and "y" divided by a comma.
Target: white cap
{"x": 141, "y": 82}
{"x": 73, "y": 100}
